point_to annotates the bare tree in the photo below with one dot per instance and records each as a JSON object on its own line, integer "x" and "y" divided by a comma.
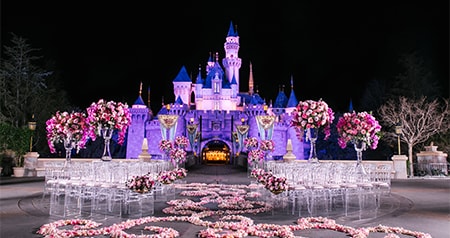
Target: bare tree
{"x": 420, "y": 119}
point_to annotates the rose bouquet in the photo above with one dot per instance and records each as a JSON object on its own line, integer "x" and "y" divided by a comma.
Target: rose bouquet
{"x": 180, "y": 173}
{"x": 165, "y": 146}
{"x": 181, "y": 141}
{"x": 109, "y": 115}
{"x": 251, "y": 143}
{"x": 358, "y": 127}
{"x": 313, "y": 114}
{"x": 140, "y": 184}
{"x": 267, "y": 145}
{"x": 276, "y": 185}
{"x": 177, "y": 156}
{"x": 167, "y": 176}
{"x": 255, "y": 156}
{"x": 64, "y": 127}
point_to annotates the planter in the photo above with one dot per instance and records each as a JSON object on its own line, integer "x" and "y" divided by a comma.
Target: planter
{"x": 19, "y": 171}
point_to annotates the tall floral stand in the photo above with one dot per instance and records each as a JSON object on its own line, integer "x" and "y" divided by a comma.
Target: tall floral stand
{"x": 107, "y": 135}
{"x": 311, "y": 135}
{"x": 360, "y": 173}
{"x": 68, "y": 146}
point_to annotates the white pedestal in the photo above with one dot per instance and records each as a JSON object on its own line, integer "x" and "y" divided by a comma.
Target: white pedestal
{"x": 400, "y": 166}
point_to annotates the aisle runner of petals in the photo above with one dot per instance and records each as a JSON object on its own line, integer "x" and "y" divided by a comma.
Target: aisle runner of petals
{"x": 232, "y": 201}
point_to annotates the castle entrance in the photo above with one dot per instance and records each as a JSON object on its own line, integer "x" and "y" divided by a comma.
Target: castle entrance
{"x": 216, "y": 152}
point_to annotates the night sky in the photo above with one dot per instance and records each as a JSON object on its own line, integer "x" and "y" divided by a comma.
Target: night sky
{"x": 330, "y": 48}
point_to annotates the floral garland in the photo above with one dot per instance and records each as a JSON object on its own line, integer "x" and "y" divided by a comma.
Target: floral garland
{"x": 111, "y": 115}
{"x": 229, "y": 224}
{"x": 312, "y": 114}
{"x": 362, "y": 126}
{"x": 67, "y": 127}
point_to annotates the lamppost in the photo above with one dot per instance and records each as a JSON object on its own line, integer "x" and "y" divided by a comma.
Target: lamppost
{"x": 32, "y": 127}
{"x": 398, "y": 131}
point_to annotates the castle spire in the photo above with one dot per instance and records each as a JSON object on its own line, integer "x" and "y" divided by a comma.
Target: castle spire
{"x": 250, "y": 81}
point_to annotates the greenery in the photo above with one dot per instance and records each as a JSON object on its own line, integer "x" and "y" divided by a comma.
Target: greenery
{"x": 15, "y": 142}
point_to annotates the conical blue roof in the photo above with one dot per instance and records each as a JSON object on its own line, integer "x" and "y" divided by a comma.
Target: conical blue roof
{"x": 292, "y": 102}
{"x": 182, "y": 76}
{"x": 231, "y": 31}
{"x": 281, "y": 100}
{"x": 139, "y": 101}
{"x": 179, "y": 101}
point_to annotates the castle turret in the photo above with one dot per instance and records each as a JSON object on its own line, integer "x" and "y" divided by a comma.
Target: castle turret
{"x": 139, "y": 116}
{"x": 182, "y": 85}
{"x": 232, "y": 62}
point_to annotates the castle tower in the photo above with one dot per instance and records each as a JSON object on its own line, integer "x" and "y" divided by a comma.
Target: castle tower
{"x": 139, "y": 116}
{"x": 182, "y": 86}
{"x": 232, "y": 62}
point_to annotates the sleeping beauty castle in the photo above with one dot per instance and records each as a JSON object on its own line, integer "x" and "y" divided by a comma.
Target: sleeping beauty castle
{"x": 214, "y": 114}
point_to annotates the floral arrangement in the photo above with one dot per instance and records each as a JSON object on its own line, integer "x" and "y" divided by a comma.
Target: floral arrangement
{"x": 260, "y": 175}
{"x": 251, "y": 142}
{"x": 177, "y": 156}
{"x": 167, "y": 177}
{"x": 267, "y": 145}
{"x": 272, "y": 183}
{"x": 181, "y": 141}
{"x": 313, "y": 114}
{"x": 255, "y": 156}
{"x": 70, "y": 127}
{"x": 362, "y": 126}
{"x": 140, "y": 184}
{"x": 165, "y": 146}
{"x": 180, "y": 173}
{"x": 275, "y": 184}
{"x": 111, "y": 115}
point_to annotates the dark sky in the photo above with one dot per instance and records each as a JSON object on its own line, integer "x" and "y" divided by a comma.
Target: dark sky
{"x": 104, "y": 49}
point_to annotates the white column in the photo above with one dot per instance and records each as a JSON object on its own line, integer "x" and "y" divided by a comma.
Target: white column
{"x": 400, "y": 166}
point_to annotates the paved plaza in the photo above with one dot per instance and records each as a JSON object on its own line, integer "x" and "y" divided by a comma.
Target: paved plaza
{"x": 416, "y": 204}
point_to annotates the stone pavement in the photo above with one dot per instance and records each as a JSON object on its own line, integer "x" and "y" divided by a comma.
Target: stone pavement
{"x": 416, "y": 204}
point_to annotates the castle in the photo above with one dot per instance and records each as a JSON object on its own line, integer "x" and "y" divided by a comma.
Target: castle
{"x": 211, "y": 110}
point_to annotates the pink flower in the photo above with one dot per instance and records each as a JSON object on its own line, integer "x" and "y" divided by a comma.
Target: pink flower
{"x": 361, "y": 126}
{"x": 112, "y": 115}
{"x": 69, "y": 127}
{"x": 313, "y": 114}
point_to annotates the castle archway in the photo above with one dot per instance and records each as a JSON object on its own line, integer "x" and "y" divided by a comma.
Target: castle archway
{"x": 216, "y": 152}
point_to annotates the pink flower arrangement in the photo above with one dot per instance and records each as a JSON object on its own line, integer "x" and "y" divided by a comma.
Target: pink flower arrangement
{"x": 167, "y": 177}
{"x": 181, "y": 141}
{"x": 140, "y": 183}
{"x": 313, "y": 114}
{"x": 250, "y": 143}
{"x": 165, "y": 146}
{"x": 177, "y": 155}
{"x": 111, "y": 115}
{"x": 362, "y": 126}
{"x": 255, "y": 156}
{"x": 272, "y": 183}
{"x": 267, "y": 145}
{"x": 64, "y": 126}
{"x": 275, "y": 184}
